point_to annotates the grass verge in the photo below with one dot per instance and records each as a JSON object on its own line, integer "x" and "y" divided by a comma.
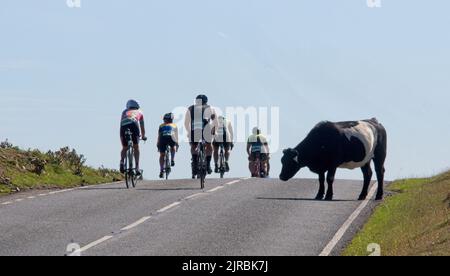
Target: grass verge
{"x": 415, "y": 221}
{"x": 31, "y": 169}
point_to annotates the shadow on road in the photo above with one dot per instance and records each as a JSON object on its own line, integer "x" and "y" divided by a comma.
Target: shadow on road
{"x": 167, "y": 189}
{"x": 103, "y": 188}
{"x": 305, "y": 199}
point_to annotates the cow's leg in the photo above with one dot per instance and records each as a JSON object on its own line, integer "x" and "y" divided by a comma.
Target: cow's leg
{"x": 379, "y": 169}
{"x": 380, "y": 158}
{"x": 321, "y": 192}
{"x": 367, "y": 171}
{"x": 330, "y": 180}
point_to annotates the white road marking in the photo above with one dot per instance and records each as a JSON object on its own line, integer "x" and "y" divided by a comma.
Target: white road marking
{"x": 194, "y": 196}
{"x": 233, "y": 182}
{"x": 92, "y": 244}
{"x": 7, "y": 203}
{"x": 19, "y": 200}
{"x": 340, "y": 233}
{"x": 215, "y": 189}
{"x": 135, "y": 224}
{"x": 168, "y": 207}
{"x": 31, "y": 197}
{"x": 42, "y": 194}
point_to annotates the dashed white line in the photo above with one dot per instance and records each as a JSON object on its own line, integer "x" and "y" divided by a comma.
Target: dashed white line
{"x": 194, "y": 196}
{"x": 19, "y": 200}
{"x": 42, "y": 195}
{"x": 7, "y": 203}
{"x": 31, "y": 197}
{"x": 92, "y": 244}
{"x": 340, "y": 233}
{"x": 215, "y": 189}
{"x": 233, "y": 182}
{"x": 135, "y": 224}
{"x": 168, "y": 207}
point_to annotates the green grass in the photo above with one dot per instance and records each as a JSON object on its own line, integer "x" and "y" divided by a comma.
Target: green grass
{"x": 415, "y": 221}
{"x": 25, "y": 170}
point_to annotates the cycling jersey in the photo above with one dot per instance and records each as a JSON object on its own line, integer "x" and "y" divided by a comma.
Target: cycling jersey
{"x": 258, "y": 143}
{"x": 167, "y": 130}
{"x": 198, "y": 123}
{"x": 131, "y": 116}
{"x": 223, "y": 131}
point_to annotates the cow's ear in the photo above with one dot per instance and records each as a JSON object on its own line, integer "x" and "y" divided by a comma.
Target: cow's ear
{"x": 296, "y": 159}
{"x": 285, "y": 151}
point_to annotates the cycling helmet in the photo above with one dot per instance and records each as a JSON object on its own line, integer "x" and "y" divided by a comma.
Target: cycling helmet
{"x": 203, "y": 98}
{"x": 256, "y": 131}
{"x": 168, "y": 117}
{"x": 132, "y": 104}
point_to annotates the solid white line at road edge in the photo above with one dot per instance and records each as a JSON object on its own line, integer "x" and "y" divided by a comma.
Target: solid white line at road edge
{"x": 340, "y": 233}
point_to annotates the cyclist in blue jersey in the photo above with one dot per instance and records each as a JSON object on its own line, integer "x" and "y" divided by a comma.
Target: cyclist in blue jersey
{"x": 167, "y": 136}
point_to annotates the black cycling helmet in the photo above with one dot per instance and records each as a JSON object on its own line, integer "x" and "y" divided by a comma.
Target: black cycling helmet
{"x": 204, "y": 99}
{"x": 168, "y": 117}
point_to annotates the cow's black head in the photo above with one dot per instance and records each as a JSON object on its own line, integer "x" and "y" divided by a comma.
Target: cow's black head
{"x": 291, "y": 164}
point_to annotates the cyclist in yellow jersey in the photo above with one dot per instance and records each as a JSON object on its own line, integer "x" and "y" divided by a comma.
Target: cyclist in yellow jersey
{"x": 257, "y": 145}
{"x": 167, "y": 136}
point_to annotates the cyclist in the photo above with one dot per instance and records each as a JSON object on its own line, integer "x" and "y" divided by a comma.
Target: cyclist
{"x": 167, "y": 136}
{"x": 257, "y": 145}
{"x": 132, "y": 119}
{"x": 198, "y": 125}
{"x": 223, "y": 135}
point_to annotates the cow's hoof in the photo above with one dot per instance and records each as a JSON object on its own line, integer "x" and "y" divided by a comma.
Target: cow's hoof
{"x": 319, "y": 197}
{"x": 362, "y": 197}
{"x": 379, "y": 197}
{"x": 329, "y": 198}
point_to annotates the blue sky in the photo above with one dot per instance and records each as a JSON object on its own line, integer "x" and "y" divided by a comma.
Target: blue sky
{"x": 65, "y": 74}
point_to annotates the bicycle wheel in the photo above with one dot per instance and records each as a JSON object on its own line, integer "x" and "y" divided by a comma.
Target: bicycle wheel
{"x": 167, "y": 168}
{"x": 202, "y": 169}
{"x": 222, "y": 164}
{"x": 131, "y": 170}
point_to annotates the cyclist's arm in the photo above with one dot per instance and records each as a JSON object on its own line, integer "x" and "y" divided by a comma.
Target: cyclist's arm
{"x": 249, "y": 147}
{"x": 142, "y": 124}
{"x": 176, "y": 135}
{"x": 187, "y": 121}
{"x": 159, "y": 137}
{"x": 231, "y": 132}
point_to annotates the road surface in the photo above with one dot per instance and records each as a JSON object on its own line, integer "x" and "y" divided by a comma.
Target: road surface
{"x": 231, "y": 217}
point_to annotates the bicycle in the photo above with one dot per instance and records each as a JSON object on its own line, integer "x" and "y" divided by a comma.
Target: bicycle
{"x": 202, "y": 166}
{"x": 131, "y": 175}
{"x": 222, "y": 168}
{"x": 259, "y": 166}
{"x": 167, "y": 164}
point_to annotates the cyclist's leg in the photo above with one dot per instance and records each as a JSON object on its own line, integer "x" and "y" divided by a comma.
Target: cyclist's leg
{"x": 173, "y": 152}
{"x": 137, "y": 155}
{"x": 123, "y": 153}
{"x": 216, "y": 157}
{"x": 227, "y": 148}
{"x": 194, "y": 159}
{"x": 251, "y": 164}
{"x": 209, "y": 153}
{"x": 264, "y": 164}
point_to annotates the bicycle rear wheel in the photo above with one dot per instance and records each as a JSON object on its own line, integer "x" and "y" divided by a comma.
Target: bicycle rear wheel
{"x": 222, "y": 164}
{"x": 130, "y": 170}
{"x": 168, "y": 168}
{"x": 202, "y": 169}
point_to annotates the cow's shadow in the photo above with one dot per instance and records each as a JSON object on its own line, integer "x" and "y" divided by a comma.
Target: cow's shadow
{"x": 304, "y": 199}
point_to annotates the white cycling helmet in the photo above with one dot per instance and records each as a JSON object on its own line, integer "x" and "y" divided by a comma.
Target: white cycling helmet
{"x": 133, "y": 104}
{"x": 256, "y": 131}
